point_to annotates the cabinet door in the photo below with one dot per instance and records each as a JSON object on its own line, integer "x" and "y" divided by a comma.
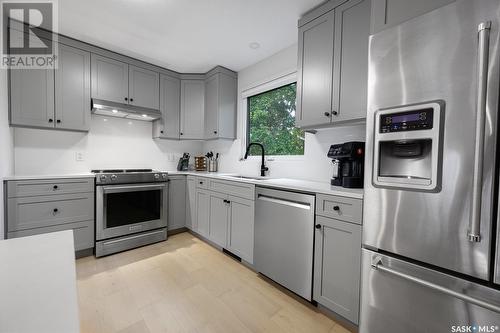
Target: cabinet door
{"x": 32, "y": 97}
{"x": 241, "y": 228}
{"x": 170, "y": 98}
{"x": 202, "y": 211}
{"x": 337, "y": 260}
{"x": 72, "y": 84}
{"x": 315, "y": 72}
{"x": 192, "y": 109}
{"x": 144, "y": 88}
{"x": 218, "y": 218}
{"x": 389, "y": 13}
{"x": 191, "y": 221}
{"x": 109, "y": 79}
{"x": 226, "y": 123}
{"x": 352, "y": 31}
{"x": 176, "y": 202}
{"x": 212, "y": 107}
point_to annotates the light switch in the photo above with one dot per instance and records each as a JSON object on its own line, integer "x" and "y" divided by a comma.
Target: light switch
{"x": 79, "y": 156}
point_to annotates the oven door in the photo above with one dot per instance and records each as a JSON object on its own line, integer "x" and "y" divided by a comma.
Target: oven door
{"x": 127, "y": 209}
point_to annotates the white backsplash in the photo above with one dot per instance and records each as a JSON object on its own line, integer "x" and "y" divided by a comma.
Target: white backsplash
{"x": 111, "y": 143}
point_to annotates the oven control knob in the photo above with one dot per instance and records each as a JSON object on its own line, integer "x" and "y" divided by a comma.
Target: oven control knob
{"x": 164, "y": 175}
{"x": 103, "y": 178}
{"x": 157, "y": 176}
{"x": 113, "y": 177}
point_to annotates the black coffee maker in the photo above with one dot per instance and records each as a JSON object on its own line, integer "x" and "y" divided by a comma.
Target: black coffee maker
{"x": 348, "y": 164}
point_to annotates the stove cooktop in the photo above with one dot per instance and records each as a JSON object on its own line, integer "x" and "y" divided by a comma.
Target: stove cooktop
{"x": 128, "y": 176}
{"x": 120, "y": 170}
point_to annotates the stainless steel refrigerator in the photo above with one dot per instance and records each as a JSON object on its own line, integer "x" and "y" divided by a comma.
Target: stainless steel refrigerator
{"x": 431, "y": 242}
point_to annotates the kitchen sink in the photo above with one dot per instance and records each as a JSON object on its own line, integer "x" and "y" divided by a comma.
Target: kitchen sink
{"x": 246, "y": 177}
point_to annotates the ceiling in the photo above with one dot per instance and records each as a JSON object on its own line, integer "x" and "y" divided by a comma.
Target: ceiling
{"x": 190, "y": 36}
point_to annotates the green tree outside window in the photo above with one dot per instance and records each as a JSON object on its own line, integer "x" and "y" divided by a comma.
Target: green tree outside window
{"x": 271, "y": 121}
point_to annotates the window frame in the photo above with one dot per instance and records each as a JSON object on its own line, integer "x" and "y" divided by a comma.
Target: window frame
{"x": 270, "y": 85}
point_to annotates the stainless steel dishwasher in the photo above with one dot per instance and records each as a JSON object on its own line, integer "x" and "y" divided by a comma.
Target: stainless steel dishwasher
{"x": 284, "y": 238}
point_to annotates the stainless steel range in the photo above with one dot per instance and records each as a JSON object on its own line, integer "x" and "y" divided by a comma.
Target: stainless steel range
{"x": 131, "y": 209}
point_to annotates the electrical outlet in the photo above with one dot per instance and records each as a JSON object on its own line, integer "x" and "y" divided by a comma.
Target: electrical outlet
{"x": 171, "y": 157}
{"x": 79, "y": 156}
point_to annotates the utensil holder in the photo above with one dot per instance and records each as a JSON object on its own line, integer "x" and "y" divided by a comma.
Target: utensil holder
{"x": 212, "y": 165}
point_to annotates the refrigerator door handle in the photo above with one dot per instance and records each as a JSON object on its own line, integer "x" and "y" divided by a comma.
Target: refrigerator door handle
{"x": 377, "y": 264}
{"x": 474, "y": 231}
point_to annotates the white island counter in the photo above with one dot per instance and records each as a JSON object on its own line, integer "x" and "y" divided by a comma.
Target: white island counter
{"x": 38, "y": 284}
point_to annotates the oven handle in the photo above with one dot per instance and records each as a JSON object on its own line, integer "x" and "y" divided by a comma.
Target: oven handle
{"x": 132, "y": 188}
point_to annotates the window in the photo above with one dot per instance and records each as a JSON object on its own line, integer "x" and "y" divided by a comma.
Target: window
{"x": 271, "y": 121}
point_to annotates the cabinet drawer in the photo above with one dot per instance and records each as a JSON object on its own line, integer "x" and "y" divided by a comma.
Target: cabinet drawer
{"x": 44, "y": 211}
{"x": 242, "y": 190}
{"x": 83, "y": 233}
{"x": 201, "y": 182}
{"x": 340, "y": 208}
{"x": 35, "y": 187}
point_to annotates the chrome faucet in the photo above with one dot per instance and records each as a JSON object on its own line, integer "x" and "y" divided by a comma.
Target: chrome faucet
{"x": 263, "y": 167}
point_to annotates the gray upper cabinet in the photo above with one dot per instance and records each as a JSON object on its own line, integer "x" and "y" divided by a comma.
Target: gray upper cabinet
{"x": 176, "y": 202}
{"x": 192, "y": 109}
{"x": 72, "y": 89}
{"x": 144, "y": 88}
{"x": 170, "y": 96}
{"x": 337, "y": 260}
{"x": 109, "y": 79}
{"x": 333, "y": 64}
{"x": 315, "y": 69}
{"x": 32, "y": 97}
{"x": 220, "y": 106}
{"x": 389, "y": 13}
{"x": 57, "y": 98}
{"x": 352, "y": 29}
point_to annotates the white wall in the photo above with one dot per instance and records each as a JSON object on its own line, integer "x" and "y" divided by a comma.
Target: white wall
{"x": 111, "y": 143}
{"x": 314, "y": 165}
{"x": 6, "y": 139}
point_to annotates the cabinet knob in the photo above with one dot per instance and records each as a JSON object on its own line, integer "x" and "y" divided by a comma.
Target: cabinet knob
{"x": 58, "y": 121}
{"x": 215, "y": 132}
{"x": 131, "y": 99}
{"x": 55, "y": 210}
{"x": 51, "y": 120}
{"x": 182, "y": 133}
{"x": 161, "y": 132}
{"x": 318, "y": 226}
{"x": 335, "y": 113}
{"x": 55, "y": 187}
{"x": 336, "y": 208}
{"x": 126, "y": 98}
{"x": 201, "y": 183}
{"x": 327, "y": 114}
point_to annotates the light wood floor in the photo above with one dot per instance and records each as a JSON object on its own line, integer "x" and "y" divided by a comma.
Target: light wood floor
{"x": 185, "y": 285}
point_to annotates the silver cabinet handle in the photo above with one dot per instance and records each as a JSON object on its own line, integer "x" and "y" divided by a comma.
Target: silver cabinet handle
{"x": 474, "y": 231}
{"x": 132, "y": 188}
{"x": 378, "y": 265}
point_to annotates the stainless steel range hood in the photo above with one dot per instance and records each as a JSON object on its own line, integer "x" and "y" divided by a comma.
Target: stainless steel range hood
{"x": 119, "y": 110}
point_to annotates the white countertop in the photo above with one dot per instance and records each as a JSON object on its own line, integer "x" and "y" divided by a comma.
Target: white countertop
{"x": 283, "y": 183}
{"x": 38, "y": 284}
{"x": 69, "y": 175}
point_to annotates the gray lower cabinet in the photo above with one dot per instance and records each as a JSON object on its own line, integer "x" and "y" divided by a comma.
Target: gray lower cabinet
{"x": 109, "y": 79}
{"x": 72, "y": 89}
{"x": 57, "y": 98}
{"x": 191, "y": 221}
{"x": 240, "y": 232}
{"x": 39, "y": 206}
{"x": 192, "y": 109}
{"x": 144, "y": 87}
{"x": 333, "y": 64}
{"x": 220, "y": 106}
{"x": 337, "y": 266}
{"x": 202, "y": 211}
{"x": 218, "y": 217}
{"x": 170, "y": 97}
{"x": 176, "y": 202}
{"x": 389, "y": 13}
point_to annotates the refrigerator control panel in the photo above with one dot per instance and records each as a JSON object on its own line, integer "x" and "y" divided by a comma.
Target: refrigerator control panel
{"x": 406, "y": 121}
